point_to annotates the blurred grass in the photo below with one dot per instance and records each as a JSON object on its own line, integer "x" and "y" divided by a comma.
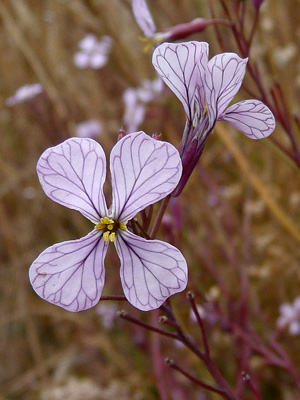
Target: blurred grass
{"x": 42, "y": 346}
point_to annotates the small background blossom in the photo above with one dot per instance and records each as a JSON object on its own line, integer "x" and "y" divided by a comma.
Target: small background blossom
{"x": 25, "y": 93}
{"x": 107, "y": 312}
{"x": 290, "y": 317}
{"x": 89, "y": 129}
{"x": 93, "y": 52}
{"x": 135, "y": 102}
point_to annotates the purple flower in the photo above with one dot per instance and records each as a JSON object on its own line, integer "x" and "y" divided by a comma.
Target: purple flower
{"x": 290, "y": 316}
{"x": 143, "y": 171}
{"x": 143, "y": 17}
{"x": 89, "y": 129}
{"x": 24, "y": 93}
{"x": 205, "y": 89}
{"x": 93, "y": 53}
{"x": 135, "y": 100}
{"x": 135, "y": 110}
{"x": 145, "y": 21}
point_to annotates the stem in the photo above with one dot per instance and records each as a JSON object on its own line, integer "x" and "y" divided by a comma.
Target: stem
{"x": 116, "y": 297}
{"x": 204, "y": 385}
{"x": 247, "y": 379}
{"x": 122, "y": 314}
{"x": 228, "y": 393}
{"x": 159, "y": 217}
{"x": 190, "y": 297}
{"x": 159, "y": 366}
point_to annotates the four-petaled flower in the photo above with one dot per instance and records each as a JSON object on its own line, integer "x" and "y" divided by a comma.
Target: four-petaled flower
{"x": 290, "y": 316}
{"x": 143, "y": 171}
{"x": 205, "y": 89}
{"x": 93, "y": 52}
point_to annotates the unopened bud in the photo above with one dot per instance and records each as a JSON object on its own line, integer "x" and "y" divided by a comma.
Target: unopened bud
{"x": 182, "y": 30}
{"x": 121, "y": 133}
{"x": 257, "y": 3}
{"x": 163, "y": 319}
{"x": 169, "y": 361}
{"x": 121, "y": 313}
{"x": 156, "y": 136}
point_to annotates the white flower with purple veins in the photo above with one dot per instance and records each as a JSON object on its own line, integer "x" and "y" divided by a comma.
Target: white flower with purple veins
{"x": 93, "y": 52}
{"x": 89, "y": 129}
{"x": 290, "y": 316}
{"x": 205, "y": 89}
{"x": 25, "y": 93}
{"x": 143, "y": 171}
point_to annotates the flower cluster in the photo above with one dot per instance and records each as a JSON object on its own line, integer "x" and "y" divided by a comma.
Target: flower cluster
{"x": 143, "y": 171}
{"x": 205, "y": 89}
{"x": 93, "y": 52}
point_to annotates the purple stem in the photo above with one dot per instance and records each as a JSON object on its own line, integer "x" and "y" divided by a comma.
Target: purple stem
{"x": 204, "y": 385}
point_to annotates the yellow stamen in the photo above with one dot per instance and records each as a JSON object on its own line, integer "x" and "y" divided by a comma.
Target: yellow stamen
{"x": 110, "y": 227}
{"x": 106, "y": 236}
{"x": 100, "y": 226}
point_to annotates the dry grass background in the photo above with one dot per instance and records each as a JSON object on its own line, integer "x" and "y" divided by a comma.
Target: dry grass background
{"x": 226, "y": 222}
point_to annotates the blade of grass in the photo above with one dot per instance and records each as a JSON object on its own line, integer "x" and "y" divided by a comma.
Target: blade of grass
{"x": 260, "y": 188}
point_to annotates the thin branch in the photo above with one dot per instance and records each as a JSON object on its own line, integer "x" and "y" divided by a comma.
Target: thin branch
{"x": 122, "y": 314}
{"x": 248, "y": 381}
{"x": 204, "y": 385}
{"x": 159, "y": 217}
{"x": 116, "y": 297}
{"x": 190, "y": 296}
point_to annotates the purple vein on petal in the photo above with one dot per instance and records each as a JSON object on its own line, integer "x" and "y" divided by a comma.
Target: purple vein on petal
{"x": 73, "y": 174}
{"x": 135, "y": 182}
{"x": 151, "y": 270}
{"x": 71, "y": 274}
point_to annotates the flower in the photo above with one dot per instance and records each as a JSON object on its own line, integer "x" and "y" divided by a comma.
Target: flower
{"x": 145, "y": 21}
{"x": 90, "y": 128}
{"x": 93, "y": 53}
{"x": 107, "y": 312}
{"x": 205, "y": 89}
{"x": 143, "y": 171}
{"x": 143, "y": 17}
{"x": 290, "y": 316}
{"x": 135, "y": 100}
{"x": 24, "y": 93}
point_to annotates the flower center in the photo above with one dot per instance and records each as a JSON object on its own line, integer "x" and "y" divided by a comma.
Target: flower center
{"x": 110, "y": 226}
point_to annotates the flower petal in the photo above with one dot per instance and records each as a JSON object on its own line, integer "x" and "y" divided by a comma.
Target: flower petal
{"x": 225, "y": 73}
{"x": 71, "y": 274}
{"x": 251, "y": 117}
{"x": 181, "y": 67}
{"x": 143, "y": 171}
{"x": 151, "y": 270}
{"x": 143, "y": 17}
{"x": 72, "y": 174}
